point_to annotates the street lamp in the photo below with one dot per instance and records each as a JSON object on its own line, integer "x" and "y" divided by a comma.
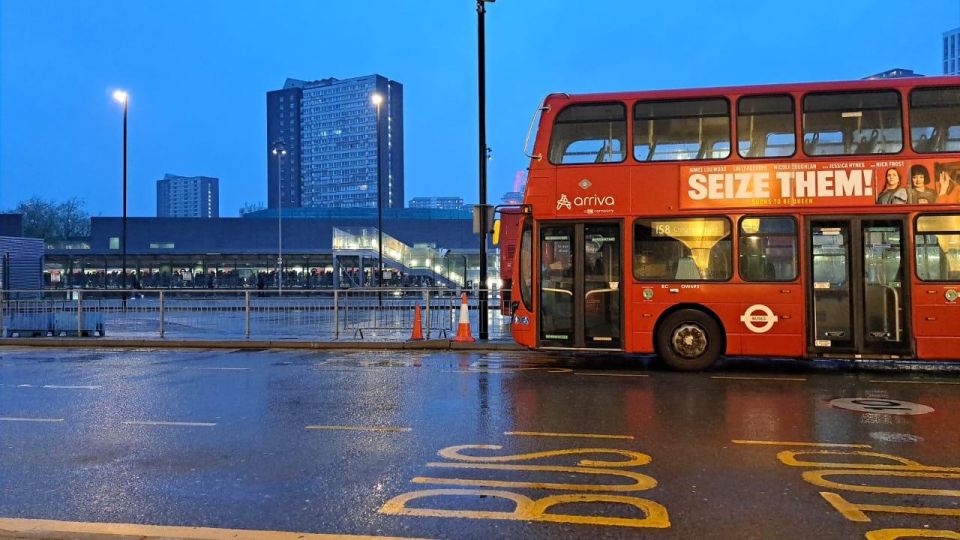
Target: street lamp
{"x": 377, "y": 99}
{"x": 279, "y": 150}
{"x": 482, "y": 99}
{"x": 122, "y": 98}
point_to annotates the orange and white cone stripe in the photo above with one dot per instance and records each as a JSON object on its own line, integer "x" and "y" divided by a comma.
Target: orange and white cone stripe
{"x": 463, "y": 329}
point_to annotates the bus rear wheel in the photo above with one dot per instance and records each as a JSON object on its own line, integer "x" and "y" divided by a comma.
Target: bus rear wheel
{"x": 689, "y": 340}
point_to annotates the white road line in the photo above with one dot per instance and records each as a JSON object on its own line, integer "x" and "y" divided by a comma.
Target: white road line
{"x": 220, "y": 368}
{"x": 160, "y": 423}
{"x": 361, "y": 428}
{"x": 913, "y": 382}
{"x": 610, "y": 374}
{"x": 796, "y": 379}
{"x": 16, "y": 419}
{"x": 71, "y": 387}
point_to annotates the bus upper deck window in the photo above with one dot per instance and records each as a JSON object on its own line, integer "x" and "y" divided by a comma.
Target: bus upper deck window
{"x": 765, "y": 126}
{"x": 688, "y": 129}
{"x": 852, "y": 123}
{"x": 589, "y": 133}
{"x": 935, "y": 120}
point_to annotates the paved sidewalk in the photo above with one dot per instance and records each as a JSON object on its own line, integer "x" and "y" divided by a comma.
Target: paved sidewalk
{"x": 100, "y": 343}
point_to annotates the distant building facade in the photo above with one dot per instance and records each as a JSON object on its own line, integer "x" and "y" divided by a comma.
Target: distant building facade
{"x": 951, "y": 52}
{"x": 328, "y": 129}
{"x": 188, "y": 196}
{"x": 437, "y": 203}
{"x": 895, "y": 73}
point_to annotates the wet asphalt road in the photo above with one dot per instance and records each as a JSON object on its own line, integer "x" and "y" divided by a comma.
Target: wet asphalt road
{"x": 360, "y": 442}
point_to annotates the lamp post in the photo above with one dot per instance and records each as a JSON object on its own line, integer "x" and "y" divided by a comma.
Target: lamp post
{"x": 122, "y": 98}
{"x": 377, "y": 99}
{"x": 482, "y": 98}
{"x": 279, "y": 150}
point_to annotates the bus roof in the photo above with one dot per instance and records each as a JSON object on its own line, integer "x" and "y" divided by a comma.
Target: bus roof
{"x": 865, "y": 84}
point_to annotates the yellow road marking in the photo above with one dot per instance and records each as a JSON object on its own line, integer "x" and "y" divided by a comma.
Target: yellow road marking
{"x": 855, "y": 512}
{"x": 162, "y": 423}
{"x": 882, "y": 381}
{"x": 634, "y": 459}
{"x": 793, "y": 443}
{"x": 733, "y": 378}
{"x": 789, "y": 458}
{"x": 584, "y": 374}
{"x": 574, "y": 435}
{"x": 818, "y": 478}
{"x": 895, "y": 534}
{"x": 641, "y": 482}
{"x": 362, "y": 428}
{"x": 527, "y": 509}
{"x": 40, "y": 528}
{"x": 16, "y": 419}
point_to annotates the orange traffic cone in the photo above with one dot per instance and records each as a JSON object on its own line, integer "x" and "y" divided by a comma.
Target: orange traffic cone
{"x": 417, "y": 334}
{"x": 463, "y": 329}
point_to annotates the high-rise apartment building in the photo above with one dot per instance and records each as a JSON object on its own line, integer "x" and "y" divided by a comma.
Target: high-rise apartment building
{"x": 951, "y": 52}
{"x": 188, "y": 196}
{"x": 437, "y": 203}
{"x": 328, "y": 129}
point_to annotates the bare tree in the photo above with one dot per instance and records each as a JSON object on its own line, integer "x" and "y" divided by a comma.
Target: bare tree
{"x": 54, "y": 221}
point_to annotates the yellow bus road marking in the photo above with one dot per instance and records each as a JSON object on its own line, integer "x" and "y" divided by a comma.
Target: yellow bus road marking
{"x": 641, "y": 482}
{"x": 735, "y": 378}
{"x": 572, "y": 435}
{"x": 362, "y": 428}
{"x": 590, "y": 374}
{"x": 857, "y": 512}
{"x": 883, "y": 381}
{"x": 44, "y": 528}
{"x": 896, "y": 534}
{"x": 162, "y": 423}
{"x": 17, "y": 419}
{"x": 795, "y": 443}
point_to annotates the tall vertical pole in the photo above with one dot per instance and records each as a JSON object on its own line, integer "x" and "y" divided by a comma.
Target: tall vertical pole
{"x": 280, "y": 153}
{"x": 123, "y": 239}
{"x": 379, "y": 209}
{"x": 481, "y": 82}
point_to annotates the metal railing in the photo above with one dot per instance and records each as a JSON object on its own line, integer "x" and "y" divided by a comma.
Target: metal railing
{"x": 210, "y": 314}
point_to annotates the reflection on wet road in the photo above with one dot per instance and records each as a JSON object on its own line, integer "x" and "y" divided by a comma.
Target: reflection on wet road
{"x": 470, "y": 445}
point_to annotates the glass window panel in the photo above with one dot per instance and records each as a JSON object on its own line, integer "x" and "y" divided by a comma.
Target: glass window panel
{"x": 935, "y": 120}
{"x": 938, "y": 248}
{"x": 765, "y": 127}
{"x": 768, "y": 249}
{"x": 852, "y": 123}
{"x": 693, "y": 129}
{"x": 693, "y": 249}
{"x": 589, "y": 133}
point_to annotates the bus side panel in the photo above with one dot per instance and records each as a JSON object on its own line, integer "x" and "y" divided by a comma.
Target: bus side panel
{"x": 732, "y": 304}
{"x": 936, "y": 322}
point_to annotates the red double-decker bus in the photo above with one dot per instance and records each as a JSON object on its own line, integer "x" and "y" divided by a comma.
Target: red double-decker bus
{"x": 796, "y": 220}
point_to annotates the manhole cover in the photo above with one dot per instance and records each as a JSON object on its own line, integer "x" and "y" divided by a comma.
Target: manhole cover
{"x": 881, "y": 406}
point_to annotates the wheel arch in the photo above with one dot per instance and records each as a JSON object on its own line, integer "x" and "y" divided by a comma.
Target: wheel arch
{"x": 699, "y": 307}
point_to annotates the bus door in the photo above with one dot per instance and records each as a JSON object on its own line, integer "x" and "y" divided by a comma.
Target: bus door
{"x": 858, "y": 292}
{"x": 580, "y": 293}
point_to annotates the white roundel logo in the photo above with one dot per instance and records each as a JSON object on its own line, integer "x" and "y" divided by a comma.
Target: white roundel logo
{"x": 758, "y": 318}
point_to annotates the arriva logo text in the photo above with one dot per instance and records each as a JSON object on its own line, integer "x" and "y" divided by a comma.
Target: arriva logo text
{"x": 585, "y": 201}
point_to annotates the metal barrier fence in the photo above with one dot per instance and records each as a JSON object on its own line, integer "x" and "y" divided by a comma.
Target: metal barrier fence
{"x": 304, "y": 315}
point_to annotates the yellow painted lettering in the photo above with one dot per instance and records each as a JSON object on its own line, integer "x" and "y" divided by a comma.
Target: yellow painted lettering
{"x": 640, "y": 481}
{"x": 856, "y": 512}
{"x": 531, "y": 510}
{"x": 789, "y": 457}
{"x": 634, "y": 459}
{"x": 894, "y": 534}
{"x": 818, "y": 478}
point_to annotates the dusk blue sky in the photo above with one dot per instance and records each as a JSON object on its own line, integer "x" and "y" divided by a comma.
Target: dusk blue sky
{"x": 198, "y": 72}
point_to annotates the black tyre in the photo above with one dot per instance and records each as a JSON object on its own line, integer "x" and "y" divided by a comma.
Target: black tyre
{"x": 689, "y": 340}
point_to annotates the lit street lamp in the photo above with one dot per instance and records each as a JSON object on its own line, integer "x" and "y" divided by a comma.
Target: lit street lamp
{"x": 122, "y": 98}
{"x": 279, "y": 150}
{"x": 377, "y": 99}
